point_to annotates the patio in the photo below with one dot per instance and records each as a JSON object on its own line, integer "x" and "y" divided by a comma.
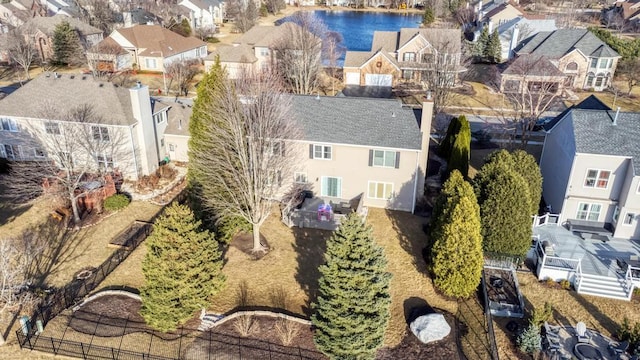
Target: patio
{"x": 590, "y": 262}
{"x": 323, "y": 213}
{"x": 597, "y": 344}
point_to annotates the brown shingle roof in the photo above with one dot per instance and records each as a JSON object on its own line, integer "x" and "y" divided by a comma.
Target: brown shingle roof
{"x": 48, "y": 24}
{"x": 265, "y": 36}
{"x": 242, "y": 53}
{"x": 156, "y": 38}
{"x": 444, "y": 40}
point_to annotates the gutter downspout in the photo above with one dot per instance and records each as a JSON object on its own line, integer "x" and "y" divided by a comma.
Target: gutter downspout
{"x": 566, "y": 191}
{"x": 133, "y": 149}
{"x": 415, "y": 183}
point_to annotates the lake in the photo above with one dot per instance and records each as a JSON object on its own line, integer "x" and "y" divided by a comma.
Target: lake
{"x": 357, "y": 27}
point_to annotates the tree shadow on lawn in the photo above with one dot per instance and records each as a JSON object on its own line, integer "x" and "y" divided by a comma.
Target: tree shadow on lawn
{"x": 310, "y": 246}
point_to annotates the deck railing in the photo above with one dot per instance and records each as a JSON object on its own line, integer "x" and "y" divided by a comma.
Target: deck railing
{"x": 553, "y": 219}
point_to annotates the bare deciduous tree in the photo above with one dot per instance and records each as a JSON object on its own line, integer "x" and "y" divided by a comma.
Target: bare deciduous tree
{"x": 103, "y": 60}
{"x": 298, "y": 53}
{"x": 182, "y": 72}
{"x": 98, "y": 13}
{"x": 442, "y": 75}
{"x": 74, "y": 149}
{"x": 242, "y": 148}
{"x": 532, "y": 87}
{"x": 244, "y": 14}
{"x": 629, "y": 69}
{"x": 21, "y": 46}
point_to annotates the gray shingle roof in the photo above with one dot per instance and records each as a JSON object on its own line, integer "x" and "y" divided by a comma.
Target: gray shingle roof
{"x": 595, "y": 133}
{"x": 242, "y": 53}
{"x": 357, "y": 121}
{"x": 110, "y": 102}
{"x": 558, "y": 43}
{"x": 178, "y": 115}
{"x": 535, "y": 65}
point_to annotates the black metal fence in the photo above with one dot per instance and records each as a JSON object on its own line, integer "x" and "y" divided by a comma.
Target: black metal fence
{"x": 477, "y": 338}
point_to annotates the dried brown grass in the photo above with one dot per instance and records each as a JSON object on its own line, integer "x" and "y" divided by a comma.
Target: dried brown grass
{"x": 287, "y": 331}
{"x": 245, "y": 325}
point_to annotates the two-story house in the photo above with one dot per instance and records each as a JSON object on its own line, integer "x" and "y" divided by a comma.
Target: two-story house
{"x": 149, "y": 48}
{"x": 205, "y": 14}
{"x": 591, "y": 168}
{"x": 128, "y": 121}
{"x": 408, "y": 55}
{"x": 254, "y": 50}
{"x": 586, "y": 61}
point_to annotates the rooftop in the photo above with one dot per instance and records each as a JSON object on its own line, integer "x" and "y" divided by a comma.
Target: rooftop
{"x": 558, "y": 43}
{"x": 156, "y": 38}
{"x": 47, "y": 24}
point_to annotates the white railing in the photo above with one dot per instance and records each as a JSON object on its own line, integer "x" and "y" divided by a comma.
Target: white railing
{"x": 578, "y": 282}
{"x": 545, "y": 219}
{"x": 629, "y": 280}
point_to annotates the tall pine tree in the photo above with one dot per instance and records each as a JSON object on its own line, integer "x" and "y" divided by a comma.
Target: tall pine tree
{"x": 483, "y": 43}
{"x": 461, "y": 149}
{"x": 66, "y": 45}
{"x": 352, "y": 308}
{"x": 493, "y": 52}
{"x": 525, "y": 164}
{"x": 182, "y": 269}
{"x": 456, "y": 256}
{"x": 505, "y": 203}
{"x": 447, "y": 143}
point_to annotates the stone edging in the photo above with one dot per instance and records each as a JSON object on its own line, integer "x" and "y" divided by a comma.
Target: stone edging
{"x": 105, "y": 293}
{"x": 260, "y": 313}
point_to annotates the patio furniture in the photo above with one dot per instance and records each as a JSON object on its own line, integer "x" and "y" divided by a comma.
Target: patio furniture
{"x": 618, "y": 349}
{"x": 591, "y": 227}
{"x": 584, "y": 336}
{"x": 587, "y": 352}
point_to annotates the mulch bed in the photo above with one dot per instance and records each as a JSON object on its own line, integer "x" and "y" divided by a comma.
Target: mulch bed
{"x": 412, "y": 348}
{"x": 244, "y": 243}
{"x": 117, "y": 315}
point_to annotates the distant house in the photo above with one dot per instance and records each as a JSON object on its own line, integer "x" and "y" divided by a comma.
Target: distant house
{"x": 407, "y": 55}
{"x": 43, "y": 28}
{"x": 139, "y": 17}
{"x": 515, "y": 30}
{"x": 16, "y": 12}
{"x": 586, "y": 61}
{"x": 149, "y": 48}
{"x": 204, "y": 14}
{"x": 530, "y": 74}
{"x": 623, "y": 13}
{"x": 253, "y": 51}
{"x": 591, "y": 168}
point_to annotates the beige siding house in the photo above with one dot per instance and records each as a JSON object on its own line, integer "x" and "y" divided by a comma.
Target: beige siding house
{"x": 408, "y": 55}
{"x": 123, "y": 118}
{"x": 591, "y": 169}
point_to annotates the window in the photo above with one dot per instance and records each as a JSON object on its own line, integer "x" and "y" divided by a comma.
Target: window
{"x": 322, "y": 152}
{"x": 172, "y": 147}
{"x": 594, "y": 62}
{"x": 597, "y": 178}
{"x": 39, "y": 153}
{"x": 572, "y": 66}
{"x": 52, "y": 128}
{"x": 300, "y": 177}
{"x": 380, "y": 190}
{"x": 616, "y": 214}
{"x": 383, "y": 158}
{"x": 610, "y": 64}
{"x": 628, "y": 218}
{"x": 407, "y": 74}
{"x": 599, "y": 80}
{"x": 162, "y": 142}
{"x": 160, "y": 117}
{"x": 409, "y": 56}
{"x": 9, "y": 125}
{"x": 603, "y": 63}
{"x": 590, "y": 78}
{"x": 6, "y": 151}
{"x": 273, "y": 177}
{"x": 100, "y": 133}
{"x": 511, "y": 85}
{"x": 429, "y": 58}
{"x": 264, "y": 52}
{"x": 105, "y": 162}
{"x": 589, "y": 212}
{"x": 331, "y": 186}
{"x": 150, "y": 63}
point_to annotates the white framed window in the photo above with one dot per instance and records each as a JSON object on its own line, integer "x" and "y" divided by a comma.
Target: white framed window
{"x": 322, "y": 152}
{"x": 264, "y": 52}
{"x": 331, "y": 186}
{"x": 100, "y": 133}
{"x": 105, "y": 162}
{"x": 409, "y": 56}
{"x": 150, "y": 63}
{"x": 616, "y": 214}
{"x": 9, "y": 125}
{"x": 628, "y": 219}
{"x": 380, "y": 190}
{"x": 597, "y": 178}
{"x": 273, "y": 178}
{"x": 52, "y": 128}
{"x": 160, "y": 117}
{"x": 594, "y": 62}
{"x": 383, "y": 158}
{"x": 590, "y": 212}
{"x": 9, "y": 153}
{"x": 172, "y": 147}
{"x": 300, "y": 177}
{"x": 39, "y": 153}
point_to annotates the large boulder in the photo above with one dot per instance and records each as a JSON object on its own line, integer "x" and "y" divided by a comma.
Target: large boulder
{"x": 429, "y": 328}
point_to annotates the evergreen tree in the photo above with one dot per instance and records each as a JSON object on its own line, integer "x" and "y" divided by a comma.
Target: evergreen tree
{"x": 66, "y": 45}
{"x": 461, "y": 149}
{"x": 428, "y": 17}
{"x": 447, "y": 143}
{"x": 525, "y": 164}
{"x": 503, "y": 195}
{"x": 182, "y": 269}
{"x": 352, "y": 307}
{"x": 483, "y": 43}
{"x": 456, "y": 256}
{"x": 493, "y": 51}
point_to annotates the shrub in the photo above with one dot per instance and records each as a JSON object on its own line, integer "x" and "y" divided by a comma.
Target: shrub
{"x": 529, "y": 340}
{"x": 565, "y": 284}
{"x": 287, "y": 331}
{"x": 244, "y": 324}
{"x": 229, "y": 226}
{"x": 116, "y": 202}
{"x": 550, "y": 282}
{"x": 628, "y": 332}
{"x": 541, "y": 314}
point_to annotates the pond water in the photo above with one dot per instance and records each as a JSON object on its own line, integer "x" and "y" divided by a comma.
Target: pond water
{"x": 357, "y": 27}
